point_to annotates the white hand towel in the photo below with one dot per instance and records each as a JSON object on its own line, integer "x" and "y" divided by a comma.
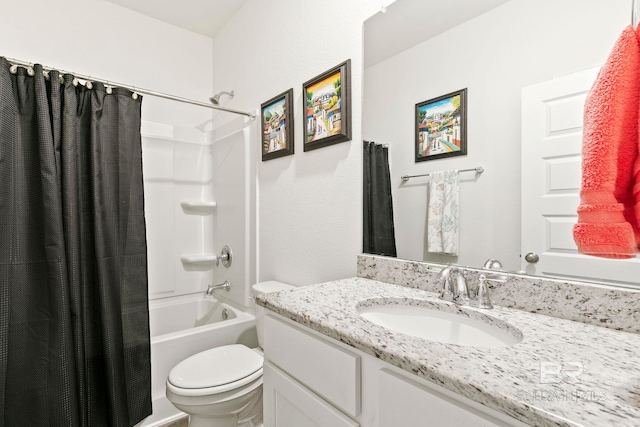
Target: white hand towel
{"x": 442, "y": 213}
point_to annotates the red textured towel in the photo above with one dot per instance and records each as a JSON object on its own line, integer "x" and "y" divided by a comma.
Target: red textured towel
{"x": 636, "y": 174}
{"x": 607, "y": 222}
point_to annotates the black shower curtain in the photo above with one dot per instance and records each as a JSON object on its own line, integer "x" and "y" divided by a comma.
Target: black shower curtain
{"x": 74, "y": 319}
{"x": 378, "y": 229}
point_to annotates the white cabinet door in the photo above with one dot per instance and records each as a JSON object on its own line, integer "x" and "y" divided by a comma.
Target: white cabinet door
{"x": 288, "y": 403}
{"x": 552, "y": 115}
{"x": 327, "y": 370}
{"x": 403, "y": 402}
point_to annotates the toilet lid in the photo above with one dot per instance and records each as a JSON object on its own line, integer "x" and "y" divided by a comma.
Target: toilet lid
{"x": 215, "y": 367}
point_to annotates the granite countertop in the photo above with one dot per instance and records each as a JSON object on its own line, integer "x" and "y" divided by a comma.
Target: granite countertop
{"x": 507, "y": 379}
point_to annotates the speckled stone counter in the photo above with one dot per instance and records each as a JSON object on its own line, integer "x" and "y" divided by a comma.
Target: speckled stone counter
{"x": 518, "y": 380}
{"x": 609, "y": 306}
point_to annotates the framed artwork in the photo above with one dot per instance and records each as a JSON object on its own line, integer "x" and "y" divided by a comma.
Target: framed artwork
{"x": 277, "y": 126}
{"x": 327, "y": 107}
{"x": 441, "y": 127}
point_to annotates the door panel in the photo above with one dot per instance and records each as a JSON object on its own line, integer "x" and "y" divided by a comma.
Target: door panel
{"x": 552, "y": 114}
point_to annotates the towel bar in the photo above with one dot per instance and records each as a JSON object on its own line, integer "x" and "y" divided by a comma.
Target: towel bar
{"x": 478, "y": 169}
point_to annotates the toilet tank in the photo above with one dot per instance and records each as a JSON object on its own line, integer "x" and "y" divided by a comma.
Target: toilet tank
{"x": 265, "y": 288}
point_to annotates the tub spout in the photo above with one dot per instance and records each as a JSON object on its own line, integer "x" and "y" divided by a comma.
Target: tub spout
{"x": 226, "y": 286}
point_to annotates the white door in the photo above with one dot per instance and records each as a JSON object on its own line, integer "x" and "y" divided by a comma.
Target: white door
{"x": 552, "y": 115}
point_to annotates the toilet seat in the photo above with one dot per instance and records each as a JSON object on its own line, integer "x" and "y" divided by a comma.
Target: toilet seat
{"x": 237, "y": 366}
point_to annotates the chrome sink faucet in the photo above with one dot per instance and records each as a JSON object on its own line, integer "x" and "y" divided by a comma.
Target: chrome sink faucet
{"x": 226, "y": 286}
{"x": 459, "y": 293}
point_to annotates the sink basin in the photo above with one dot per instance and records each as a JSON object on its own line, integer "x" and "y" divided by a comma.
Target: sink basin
{"x": 437, "y": 323}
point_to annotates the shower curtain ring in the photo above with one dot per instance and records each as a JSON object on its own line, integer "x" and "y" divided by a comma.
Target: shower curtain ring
{"x": 13, "y": 69}
{"x": 75, "y": 82}
{"x": 108, "y": 88}
{"x": 45, "y": 73}
{"x": 89, "y": 85}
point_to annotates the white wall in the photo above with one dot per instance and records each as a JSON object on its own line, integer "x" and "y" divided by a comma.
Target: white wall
{"x": 101, "y": 39}
{"x": 495, "y": 55}
{"x": 309, "y": 204}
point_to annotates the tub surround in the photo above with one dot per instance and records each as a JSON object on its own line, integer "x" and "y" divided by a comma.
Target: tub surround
{"x": 508, "y": 379}
{"x": 611, "y": 307}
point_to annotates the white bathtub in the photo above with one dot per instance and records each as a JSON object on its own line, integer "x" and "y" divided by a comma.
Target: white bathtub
{"x": 183, "y": 326}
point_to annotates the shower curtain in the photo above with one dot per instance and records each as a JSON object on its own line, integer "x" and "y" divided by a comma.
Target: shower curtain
{"x": 74, "y": 320}
{"x": 378, "y": 229}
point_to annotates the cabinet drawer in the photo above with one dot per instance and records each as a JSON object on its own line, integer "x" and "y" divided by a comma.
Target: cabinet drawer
{"x": 324, "y": 368}
{"x": 288, "y": 404}
{"x": 403, "y": 402}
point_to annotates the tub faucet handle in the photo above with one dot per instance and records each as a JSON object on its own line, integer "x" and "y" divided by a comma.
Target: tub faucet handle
{"x": 225, "y": 257}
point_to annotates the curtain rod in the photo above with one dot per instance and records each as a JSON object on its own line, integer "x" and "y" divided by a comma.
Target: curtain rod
{"x": 136, "y": 89}
{"x": 477, "y": 169}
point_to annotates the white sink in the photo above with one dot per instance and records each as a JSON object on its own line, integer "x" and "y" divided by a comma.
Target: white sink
{"x": 442, "y": 326}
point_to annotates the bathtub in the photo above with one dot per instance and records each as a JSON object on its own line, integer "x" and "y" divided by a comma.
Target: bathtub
{"x": 183, "y": 326}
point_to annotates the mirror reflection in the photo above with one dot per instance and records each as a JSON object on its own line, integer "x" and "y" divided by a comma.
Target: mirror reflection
{"x": 506, "y": 54}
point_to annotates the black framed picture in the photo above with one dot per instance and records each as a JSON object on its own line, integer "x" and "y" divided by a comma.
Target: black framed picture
{"x": 327, "y": 107}
{"x": 277, "y": 126}
{"x": 441, "y": 126}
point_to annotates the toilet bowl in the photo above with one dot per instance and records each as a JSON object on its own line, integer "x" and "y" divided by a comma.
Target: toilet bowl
{"x": 222, "y": 386}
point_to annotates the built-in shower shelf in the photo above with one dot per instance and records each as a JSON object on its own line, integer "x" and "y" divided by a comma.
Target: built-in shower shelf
{"x": 198, "y": 207}
{"x": 199, "y": 259}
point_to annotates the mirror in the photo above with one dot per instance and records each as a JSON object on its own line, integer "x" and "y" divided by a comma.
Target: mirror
{"x": 422, "y": 49}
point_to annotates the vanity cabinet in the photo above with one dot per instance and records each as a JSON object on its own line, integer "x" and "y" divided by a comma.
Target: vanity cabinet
{"x": 290, "y": 404}
{"x": 311, "y": 380}
{"x": 403, "y": 402}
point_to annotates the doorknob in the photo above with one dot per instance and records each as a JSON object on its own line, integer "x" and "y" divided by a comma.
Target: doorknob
{"x": 532, "y": 257}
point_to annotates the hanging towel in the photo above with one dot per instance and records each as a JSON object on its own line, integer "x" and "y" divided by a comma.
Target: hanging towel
{"x": 636, "y": 171}
{"x": 442, "y": 213}
{"x": 607, "y": 224}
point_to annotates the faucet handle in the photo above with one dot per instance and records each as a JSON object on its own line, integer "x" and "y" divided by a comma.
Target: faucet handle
{"x": 482, "y": 296}
{"x": 225, "y": 257}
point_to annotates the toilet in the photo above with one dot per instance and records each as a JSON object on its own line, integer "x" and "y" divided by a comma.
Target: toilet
{"x": 222, "y": 387}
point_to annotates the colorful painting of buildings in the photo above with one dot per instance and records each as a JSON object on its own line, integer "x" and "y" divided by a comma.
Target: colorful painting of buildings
{"x": 439, "y": 127}
{"x": 324, "y": 116}
{"x": 273, "y": 127}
